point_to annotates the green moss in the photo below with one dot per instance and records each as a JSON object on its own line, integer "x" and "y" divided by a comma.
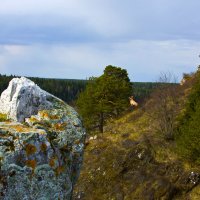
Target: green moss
{"x": 3, "y": 117}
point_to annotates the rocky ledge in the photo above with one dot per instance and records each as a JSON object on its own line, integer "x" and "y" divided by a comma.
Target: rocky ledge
{"x": 41, "y": 144}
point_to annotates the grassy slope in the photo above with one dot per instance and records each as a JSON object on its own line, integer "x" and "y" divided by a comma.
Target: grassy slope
{"x": 131, "y": 161}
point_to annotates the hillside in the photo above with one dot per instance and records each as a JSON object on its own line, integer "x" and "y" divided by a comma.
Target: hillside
{"x": 132, "y": 160}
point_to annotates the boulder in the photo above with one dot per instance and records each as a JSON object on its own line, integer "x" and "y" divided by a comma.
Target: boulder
{"x": 41, "y": 147}
{"x": 23, "y": 98}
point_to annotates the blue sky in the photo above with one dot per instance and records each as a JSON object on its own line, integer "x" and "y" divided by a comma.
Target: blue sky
{"x": 78, "y": 38}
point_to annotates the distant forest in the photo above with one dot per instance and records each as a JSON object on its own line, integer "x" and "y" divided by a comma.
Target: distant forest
{"x": 69, "y": 89}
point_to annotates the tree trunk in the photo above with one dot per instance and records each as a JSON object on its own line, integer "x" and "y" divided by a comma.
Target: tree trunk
{"x": 101, "y": 122}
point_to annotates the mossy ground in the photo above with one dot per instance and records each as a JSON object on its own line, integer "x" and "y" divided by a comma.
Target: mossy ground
{"x": 131, "y": 161}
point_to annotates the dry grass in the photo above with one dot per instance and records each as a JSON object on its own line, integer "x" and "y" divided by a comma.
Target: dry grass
{"x": 105, "y": 158}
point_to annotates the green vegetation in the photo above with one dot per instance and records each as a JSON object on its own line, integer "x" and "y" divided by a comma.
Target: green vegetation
{"x": 3, "y": 117}
{"x": 136, "y": 157}
{"x": 188, "y": 136}
{"x": 142, "y": 90}
{"x": 104, "y": 97}
{"x": 132, "y": 161}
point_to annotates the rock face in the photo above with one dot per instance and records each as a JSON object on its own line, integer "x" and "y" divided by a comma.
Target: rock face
{"x": 41, "y": 157}
{"x": 22, "y": 99}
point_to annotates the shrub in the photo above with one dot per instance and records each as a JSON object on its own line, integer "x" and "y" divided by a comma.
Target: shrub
{"x": 188, "y": 134}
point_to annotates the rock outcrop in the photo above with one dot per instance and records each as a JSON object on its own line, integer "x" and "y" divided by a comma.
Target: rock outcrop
{"x": 41, "y": 147}
{"x": 23, "y": 98}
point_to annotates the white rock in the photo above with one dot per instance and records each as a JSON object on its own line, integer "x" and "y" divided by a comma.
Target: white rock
{"x": 22, "y": 99}
{"x": 91, "y": 138}
{"x": 95, "y": 137}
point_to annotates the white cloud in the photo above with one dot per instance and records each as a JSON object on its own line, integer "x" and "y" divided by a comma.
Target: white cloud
{"x": 78, "y": 38}
{"x": 144, "y": 60}
{"x": 138, "y": 19}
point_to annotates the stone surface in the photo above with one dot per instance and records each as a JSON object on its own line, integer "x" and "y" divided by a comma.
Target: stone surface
{"x": 23, "y": 98}
{"x": 41, "y": 157}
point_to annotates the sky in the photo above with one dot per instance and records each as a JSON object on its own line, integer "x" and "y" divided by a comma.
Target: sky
{"x": 77, "y": 39}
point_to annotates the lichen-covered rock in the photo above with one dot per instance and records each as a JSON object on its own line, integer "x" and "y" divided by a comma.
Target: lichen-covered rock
{"x": 41, "y": 158}
{"x": 23, "y": 98}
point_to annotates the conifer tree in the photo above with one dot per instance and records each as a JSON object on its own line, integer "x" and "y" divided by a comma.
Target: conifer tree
{"x": 104, "y": 97}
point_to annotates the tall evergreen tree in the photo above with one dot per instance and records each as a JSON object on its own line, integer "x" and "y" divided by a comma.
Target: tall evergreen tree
{"x": 104, "y": 96}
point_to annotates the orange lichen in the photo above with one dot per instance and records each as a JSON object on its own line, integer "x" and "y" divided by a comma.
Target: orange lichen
{"x": 31, "y": 163}
{"x": 21, "y": 128}
{"x": 18, "y": 128}
{"x": 52, "y": 162}
{"x": 43, "y": 147}
{"x": 33, "y": 119}
{"x": 59, "y": 126}
{"x": 59, "y": 170}
{"x": 44, "y": 114}
{"x": 30, "y": 149}
{"x": 54, "y": 117}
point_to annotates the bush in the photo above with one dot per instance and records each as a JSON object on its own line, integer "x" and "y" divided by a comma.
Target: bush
{"x": 164, "y": 106}
{"x": 188, "y": 135}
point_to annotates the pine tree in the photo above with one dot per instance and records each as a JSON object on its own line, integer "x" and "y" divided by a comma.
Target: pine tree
{"x": 104, "y": 96}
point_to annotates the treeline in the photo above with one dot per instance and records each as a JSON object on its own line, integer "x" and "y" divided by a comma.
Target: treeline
{"x": 65, "y": 89}
{"x": 142, "y": 90}
{"x": 69, "y": 89}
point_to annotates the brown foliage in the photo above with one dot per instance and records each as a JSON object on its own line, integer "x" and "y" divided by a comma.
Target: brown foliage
{"x": 164, "y": 105}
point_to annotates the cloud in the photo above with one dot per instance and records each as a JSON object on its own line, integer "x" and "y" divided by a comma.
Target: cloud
{"x": 77, "y": 39}
{"x": 63, "y": 21}
{"x": 144, "y": 60}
